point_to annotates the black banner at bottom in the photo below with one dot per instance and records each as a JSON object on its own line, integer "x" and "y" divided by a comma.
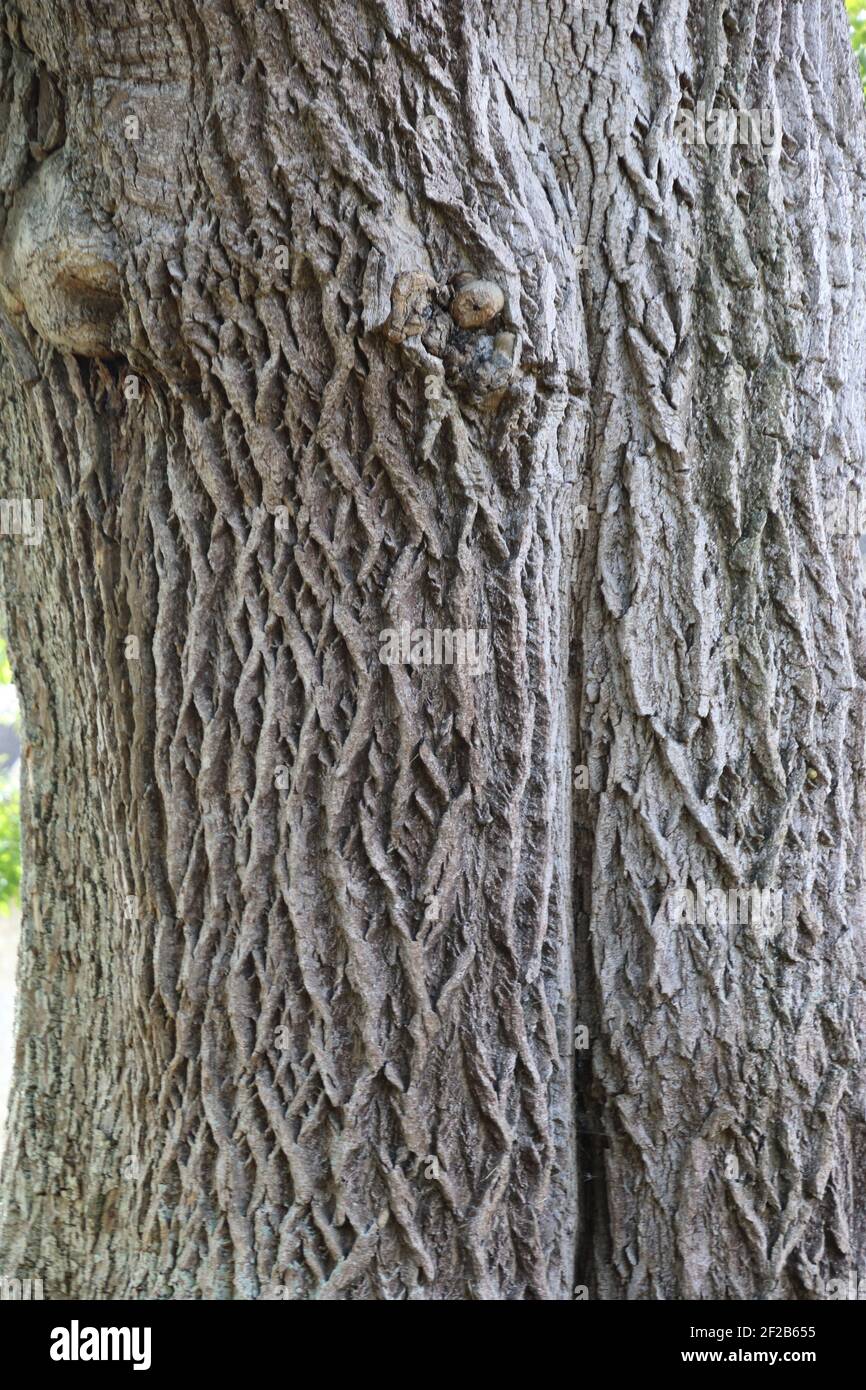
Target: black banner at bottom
{"x": 82, "y": 1340}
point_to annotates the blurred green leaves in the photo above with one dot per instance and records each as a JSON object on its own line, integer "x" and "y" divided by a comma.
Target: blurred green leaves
{"x": 857, "y": 21}
{"x": 10, "y": 847}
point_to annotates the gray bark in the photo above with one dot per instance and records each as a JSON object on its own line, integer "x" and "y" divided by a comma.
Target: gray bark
{"x": 307, "y": 936}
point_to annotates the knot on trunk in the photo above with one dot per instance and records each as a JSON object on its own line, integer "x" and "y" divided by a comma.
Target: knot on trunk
{"x": 475, "y": 301}
{"x": 59, "y": 267}
{"x": 440, "y": 330}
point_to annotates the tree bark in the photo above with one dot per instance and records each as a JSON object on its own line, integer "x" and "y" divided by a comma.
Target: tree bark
{"x": 324, "y": 323}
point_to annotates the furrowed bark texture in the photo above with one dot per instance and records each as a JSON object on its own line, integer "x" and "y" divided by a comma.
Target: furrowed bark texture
{"x": 306, "y": 935}
{"x": 721, "y": 626}
{"x": 337, "y": 1040}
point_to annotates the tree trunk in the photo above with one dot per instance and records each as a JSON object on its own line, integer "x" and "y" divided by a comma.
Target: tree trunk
{"x": 328, "y": 331}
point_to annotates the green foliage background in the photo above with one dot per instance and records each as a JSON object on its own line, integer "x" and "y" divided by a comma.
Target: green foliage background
{"x": 857, "y": 20}
{"x": 10, "y": 848}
